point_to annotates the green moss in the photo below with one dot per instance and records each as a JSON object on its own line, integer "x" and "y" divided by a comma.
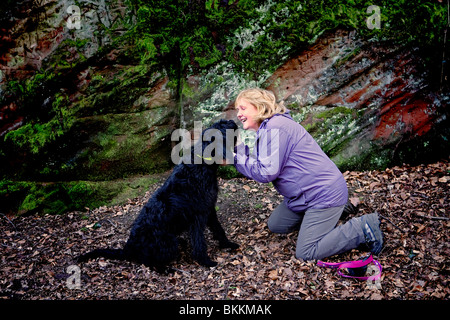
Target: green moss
{"x": 60, "y": 197}
{"x": 128, "y": 144}
{"x": 371, "y": 158}
{"x": 337, "y": 131}
{"x": 228, "y": 172}
{"x": 48, "y": 198}
{"x": 341, "y": 112}
{"x": 351, "y": 55}
{"x": 332, "y": 128}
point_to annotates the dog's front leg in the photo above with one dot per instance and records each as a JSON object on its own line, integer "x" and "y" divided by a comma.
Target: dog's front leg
{"x": 199, "y": 252}
{"x": 218, "y": 232}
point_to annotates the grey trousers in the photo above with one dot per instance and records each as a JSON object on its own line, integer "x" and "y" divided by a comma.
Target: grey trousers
{"x": 318, "y": 235}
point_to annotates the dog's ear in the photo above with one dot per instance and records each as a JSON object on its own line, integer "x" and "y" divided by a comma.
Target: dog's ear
{"x": 218, "y": 141}
{"x": 212, "y": 144}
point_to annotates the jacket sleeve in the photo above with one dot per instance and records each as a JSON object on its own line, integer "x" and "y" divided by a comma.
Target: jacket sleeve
{"x": 268, "y": 156}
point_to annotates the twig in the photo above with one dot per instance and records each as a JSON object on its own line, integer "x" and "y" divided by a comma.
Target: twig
{"x": 418, "y": 194}
{"x": 4, "y": 215}
{"x": 112, "y": 223}
{"x": 182, "y": 271}
{"x": 433, "y": 218}
{"x": 385, "y": 218}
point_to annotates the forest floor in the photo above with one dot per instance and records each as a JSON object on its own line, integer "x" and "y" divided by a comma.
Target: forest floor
{"x": 37, "y": 252}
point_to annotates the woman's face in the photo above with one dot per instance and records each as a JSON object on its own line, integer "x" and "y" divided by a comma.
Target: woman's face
{"x": 246, "y": 114}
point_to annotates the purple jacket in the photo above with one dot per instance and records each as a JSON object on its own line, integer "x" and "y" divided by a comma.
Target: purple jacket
{"x": 286, "y": 155}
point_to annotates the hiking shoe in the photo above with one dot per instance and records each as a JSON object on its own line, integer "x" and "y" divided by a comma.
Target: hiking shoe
{"x": 370, "y": 225}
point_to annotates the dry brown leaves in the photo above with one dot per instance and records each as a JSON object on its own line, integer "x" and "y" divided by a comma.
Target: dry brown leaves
{"x": 37, "y": 251}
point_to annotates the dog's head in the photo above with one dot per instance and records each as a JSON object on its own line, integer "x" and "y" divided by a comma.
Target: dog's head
{"x": 218, "y": 142}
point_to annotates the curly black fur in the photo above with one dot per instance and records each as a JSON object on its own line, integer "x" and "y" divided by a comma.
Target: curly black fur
{"x": 186, "y": 201}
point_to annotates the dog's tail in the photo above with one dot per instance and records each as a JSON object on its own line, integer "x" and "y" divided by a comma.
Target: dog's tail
{"x": 113, "y": 254}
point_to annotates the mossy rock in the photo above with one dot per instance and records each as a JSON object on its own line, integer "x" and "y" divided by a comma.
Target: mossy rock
{"x": 29, "y": 197}
{"x": 340, "y": 132}
{"x": 119, "y": 145}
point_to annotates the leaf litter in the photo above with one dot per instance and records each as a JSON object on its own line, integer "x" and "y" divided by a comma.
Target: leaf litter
{"x": 38, "y": 251}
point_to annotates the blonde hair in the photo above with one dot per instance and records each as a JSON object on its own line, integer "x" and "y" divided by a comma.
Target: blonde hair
{"x": 264, "y": 101}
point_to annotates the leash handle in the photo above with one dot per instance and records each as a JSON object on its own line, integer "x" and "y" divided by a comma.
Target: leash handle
{"x": 353, "y": 264}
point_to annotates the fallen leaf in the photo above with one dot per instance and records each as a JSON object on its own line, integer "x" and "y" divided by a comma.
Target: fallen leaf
{"x": 355, "y": 201}
{"x": 421, "y": 227}
{"x": 273, "y": 275}
{"x": 37, "y": 249}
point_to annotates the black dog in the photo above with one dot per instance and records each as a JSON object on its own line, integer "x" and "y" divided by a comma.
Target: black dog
{"x": 186, "y": 201}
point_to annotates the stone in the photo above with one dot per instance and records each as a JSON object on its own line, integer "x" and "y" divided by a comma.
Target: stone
{"x": 391, "y": 100}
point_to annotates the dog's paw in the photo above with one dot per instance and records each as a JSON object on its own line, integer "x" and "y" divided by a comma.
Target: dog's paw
{"x": 230, "y": 245}
{"x": 208, "y": 263}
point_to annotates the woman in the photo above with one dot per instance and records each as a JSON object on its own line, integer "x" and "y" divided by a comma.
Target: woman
{"x": 315, "y": 191}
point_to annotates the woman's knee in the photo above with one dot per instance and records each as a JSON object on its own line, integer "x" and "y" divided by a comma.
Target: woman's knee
{"x": 283, "y": 220}
{"x": 306, "y": 253}
{"x": 274, "y": 226}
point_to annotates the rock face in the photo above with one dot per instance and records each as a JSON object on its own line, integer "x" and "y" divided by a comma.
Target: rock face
{"x": 114, "y": 115}
{"x": 76, "y": 112}
{"x": 368, "y": 104}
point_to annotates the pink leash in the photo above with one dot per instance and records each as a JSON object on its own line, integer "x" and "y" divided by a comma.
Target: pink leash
{"x": 352, "y": 265}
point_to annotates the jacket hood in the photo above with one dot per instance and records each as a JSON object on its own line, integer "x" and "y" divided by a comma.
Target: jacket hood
{"x": 286, "y": 114}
